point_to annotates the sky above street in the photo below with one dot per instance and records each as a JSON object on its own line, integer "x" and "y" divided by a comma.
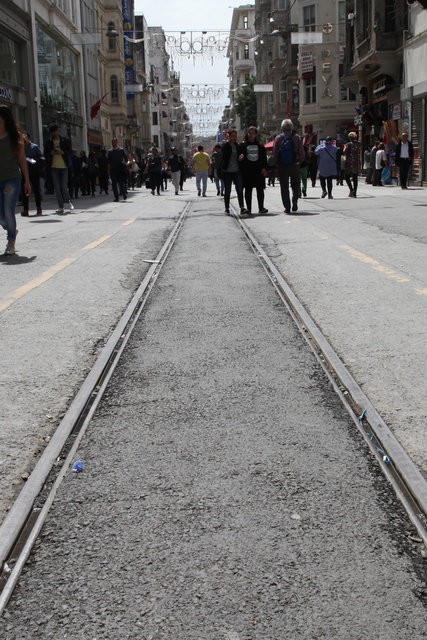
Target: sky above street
{"x": 192, "y": 15}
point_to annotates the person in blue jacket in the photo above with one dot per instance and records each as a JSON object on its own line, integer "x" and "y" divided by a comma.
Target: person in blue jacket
{"x": 327, "y": 154}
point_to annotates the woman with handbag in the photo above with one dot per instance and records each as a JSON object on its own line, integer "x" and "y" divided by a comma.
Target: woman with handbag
{"x": 380, "y": 163}
{"x": 12, "y": 164}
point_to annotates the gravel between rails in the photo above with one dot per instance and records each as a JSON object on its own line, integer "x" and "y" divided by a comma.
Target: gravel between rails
{"x": 226, "y": 492}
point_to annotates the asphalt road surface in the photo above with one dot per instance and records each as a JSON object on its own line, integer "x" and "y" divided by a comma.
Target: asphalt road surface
{"x": 226, "y": 493}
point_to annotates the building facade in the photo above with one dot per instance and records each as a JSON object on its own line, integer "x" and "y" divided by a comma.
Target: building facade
{"x": 18, "y": 85}
{"x": 241, "y": 57}
{"x": 276, "y": 64}
{"x": 413, "y": 93}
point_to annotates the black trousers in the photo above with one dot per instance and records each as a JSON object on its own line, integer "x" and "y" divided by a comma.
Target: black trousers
{"x": 34, "y": 176}
{"x": 326, "y": 184}
{"x": 404, "y": 166}
{"x": 289, "y": 172}
{"x": 352, "y": 181}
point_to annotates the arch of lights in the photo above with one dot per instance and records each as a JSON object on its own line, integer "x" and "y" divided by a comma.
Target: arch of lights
{"x": 204, "y": 102}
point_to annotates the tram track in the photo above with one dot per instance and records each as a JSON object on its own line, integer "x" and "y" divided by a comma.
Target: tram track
{"x": 27, "y": 515}
{"x": 25, "y": 519}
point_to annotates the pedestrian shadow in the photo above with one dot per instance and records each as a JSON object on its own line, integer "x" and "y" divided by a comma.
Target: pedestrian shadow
{"x": 45, "y": 220}
{"x": 16, "y": 259}
{"x": 300, "y": 213}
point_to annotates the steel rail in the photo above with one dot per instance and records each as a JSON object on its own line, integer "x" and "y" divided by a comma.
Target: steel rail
{"x": 23, "y": 523}
{"x": 404, "y": 476}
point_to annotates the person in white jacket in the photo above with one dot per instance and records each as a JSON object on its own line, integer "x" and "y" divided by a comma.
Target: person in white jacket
{"x": 380, "y": 163}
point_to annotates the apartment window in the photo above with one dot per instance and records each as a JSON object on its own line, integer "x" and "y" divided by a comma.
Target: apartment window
{"x": 281, "y": 5}
{"x": 114, "y": 88}
{"x": 156, "y": 141}
{"x": 390, "y": 16}
{"x": 245, "y": 22}
{"x": 294, "y": 55}
{"x": 155, "y": 120}
{"x": 112, "y": 40}
{"x": 246, "y": 52}
{"x": 310, "y": 90}
{"x": 309, "y": 17}
{"x": 346, "y": 94}
{"x": 282, "y": 91}
{"x": 341, "y": 21}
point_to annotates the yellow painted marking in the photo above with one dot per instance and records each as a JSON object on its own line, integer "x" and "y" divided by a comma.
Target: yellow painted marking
{"x": 131, "y": 221}
{"x": 362, "y": 257}
{"x": 47, "y": 275}
{"x": 421, "y": 292}
{"x": 96, "y": 243}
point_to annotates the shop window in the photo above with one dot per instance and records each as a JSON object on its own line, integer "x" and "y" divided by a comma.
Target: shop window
{"x": 114, "y": 88}
{"x": 58, "y": 74}
{"x": 10, "y": 60}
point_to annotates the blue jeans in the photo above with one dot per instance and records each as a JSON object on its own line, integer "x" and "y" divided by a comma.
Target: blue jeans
{"x": 229, "y": 177}
{"x": 202, "y": 177}
{"x": 9, "y": 193}
{"x": 60, "y": 185}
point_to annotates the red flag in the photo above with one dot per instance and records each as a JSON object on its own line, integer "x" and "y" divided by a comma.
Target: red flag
{"x": 96, "y": 107}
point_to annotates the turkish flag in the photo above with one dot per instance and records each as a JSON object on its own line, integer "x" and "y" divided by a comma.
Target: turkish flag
{"x": 96, "y": 107}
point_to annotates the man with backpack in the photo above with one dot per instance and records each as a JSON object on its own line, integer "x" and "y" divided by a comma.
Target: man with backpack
{"x": 288, "y": 151}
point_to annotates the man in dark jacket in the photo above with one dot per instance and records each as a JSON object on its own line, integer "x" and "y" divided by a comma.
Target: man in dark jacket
{"x": 35, "y": 162}
{"x": 404, "y": 158}
{"x": 117, "y": 159}
{"x": 288, "y": 151}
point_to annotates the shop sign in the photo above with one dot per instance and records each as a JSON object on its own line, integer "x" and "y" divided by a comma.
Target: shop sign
{"x": 6, "y": 94}
{"x": 307, "y": 63}
{"x": 379, "y": 87}
{"x": 396, "y": 111}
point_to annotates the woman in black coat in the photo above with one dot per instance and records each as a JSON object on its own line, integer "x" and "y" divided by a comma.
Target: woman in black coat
{"x": 254, "y": 169}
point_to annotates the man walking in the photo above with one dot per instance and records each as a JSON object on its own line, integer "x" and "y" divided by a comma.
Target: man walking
{"x": 117, "y": 159}
{"x": 403, "y": 159}
{"x": 35, "y": 161}
{"x": 201, "y": 164}
{"x": 288, "y": 152}
{"x": 175, "y": 163}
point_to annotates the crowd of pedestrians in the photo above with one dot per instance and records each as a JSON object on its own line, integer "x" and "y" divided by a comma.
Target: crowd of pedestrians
{"x": 294, "y": 161}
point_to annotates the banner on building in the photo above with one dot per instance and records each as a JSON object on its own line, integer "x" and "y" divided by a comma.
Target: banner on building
{"x": 307, "y": 64}
{"x": 128, "y": 33}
